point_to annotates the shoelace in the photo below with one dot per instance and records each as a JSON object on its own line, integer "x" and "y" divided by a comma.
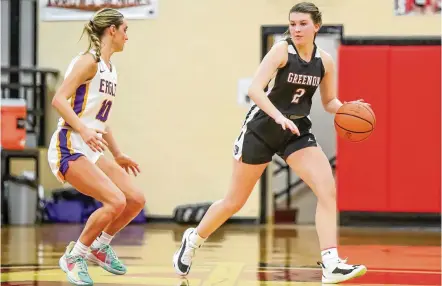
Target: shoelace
{"x": 81, "y": 263}
{"x": 343, "y": 261}
{"x": 188, "y": 254}
{"x": 109, "y": 251}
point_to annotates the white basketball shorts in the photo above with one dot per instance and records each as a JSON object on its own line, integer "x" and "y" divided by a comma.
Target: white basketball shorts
{"x": 67, "y": 145}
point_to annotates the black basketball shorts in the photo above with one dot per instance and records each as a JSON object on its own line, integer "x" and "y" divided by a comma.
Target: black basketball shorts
{"x": 261, "y": 138}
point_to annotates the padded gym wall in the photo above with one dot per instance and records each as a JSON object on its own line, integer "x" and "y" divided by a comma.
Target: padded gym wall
{"x": 398, "y": 168}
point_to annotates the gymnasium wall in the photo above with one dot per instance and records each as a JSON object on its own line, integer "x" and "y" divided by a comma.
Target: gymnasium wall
{"x": 402, "y": 158}
{"x": 176, "y": 111}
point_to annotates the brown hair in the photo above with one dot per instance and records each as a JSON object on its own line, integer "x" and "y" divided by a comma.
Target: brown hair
{"x": 95, "y": 28}
{"x": 308, "y": 8}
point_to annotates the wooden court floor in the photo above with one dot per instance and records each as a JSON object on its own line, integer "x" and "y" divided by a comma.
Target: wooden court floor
{"x": 242, "y": 255}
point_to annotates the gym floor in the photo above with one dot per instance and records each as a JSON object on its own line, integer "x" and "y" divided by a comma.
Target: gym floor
{"x": 236, "y": 254}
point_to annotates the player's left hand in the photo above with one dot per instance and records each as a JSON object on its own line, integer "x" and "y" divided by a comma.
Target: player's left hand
{"x": 128, "y": 164}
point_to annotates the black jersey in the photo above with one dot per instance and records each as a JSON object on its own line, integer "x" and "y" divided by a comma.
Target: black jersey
{"x": 296, "y": 82}
{"x": 292, "y": 92}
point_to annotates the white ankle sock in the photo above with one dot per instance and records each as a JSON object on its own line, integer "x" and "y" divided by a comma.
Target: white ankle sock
{"x": 196, "y": 239}
{"x": 102, "y": 239}
{"x": 79, "y": 249}
{"x": 329, "y": 256}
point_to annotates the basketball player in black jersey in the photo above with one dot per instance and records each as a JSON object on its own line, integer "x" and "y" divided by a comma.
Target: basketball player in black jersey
{"x": 279, "y": 124}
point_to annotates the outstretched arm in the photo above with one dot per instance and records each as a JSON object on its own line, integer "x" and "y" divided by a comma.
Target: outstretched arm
{"x": 328, "y": 85}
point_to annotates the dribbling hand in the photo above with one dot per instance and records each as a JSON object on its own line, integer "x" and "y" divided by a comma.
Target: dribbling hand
{"x": 287, "y": 123}
{"x": 93, "y": 139}
{"x": 361, "y": 101}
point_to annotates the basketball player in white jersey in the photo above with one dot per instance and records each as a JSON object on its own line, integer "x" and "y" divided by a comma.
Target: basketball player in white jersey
{"x": 75, "y": 154}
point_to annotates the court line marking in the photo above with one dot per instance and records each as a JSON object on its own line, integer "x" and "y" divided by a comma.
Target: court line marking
{"x": 265, "y": 269}
{"x": 225, "y": 274}
{"x": 374, "y": 270}
{"x": 31, "y": 268}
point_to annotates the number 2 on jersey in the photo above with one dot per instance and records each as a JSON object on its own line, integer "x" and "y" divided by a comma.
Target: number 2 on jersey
{"x": 104, "y": 110}
{"x": 299, "y": 92}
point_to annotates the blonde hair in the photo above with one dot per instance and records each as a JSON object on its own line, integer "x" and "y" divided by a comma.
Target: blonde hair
{"x": 95, "y": 28}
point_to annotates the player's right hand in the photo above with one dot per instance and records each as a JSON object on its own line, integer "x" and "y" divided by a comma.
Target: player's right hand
{"x": 287, "y": 123}
{"x": 94, "y": 139}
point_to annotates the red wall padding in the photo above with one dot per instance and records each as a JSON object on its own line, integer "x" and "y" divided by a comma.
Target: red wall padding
{"x": 415, "y": 120}
{"x": 359, "y": 163}
{"x": 398, "y": 168}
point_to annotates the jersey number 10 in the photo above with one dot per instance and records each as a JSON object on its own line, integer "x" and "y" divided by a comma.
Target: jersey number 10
{"x": 104, "y": 110}
{"x": 299, "y": 92}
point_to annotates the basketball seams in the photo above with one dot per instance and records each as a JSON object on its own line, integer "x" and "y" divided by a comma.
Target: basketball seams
{"x": 359, "y": 132}
{"x": 357, "y": 117}
{"x": 369, "y": 110}
{"x": 353, "y": 118}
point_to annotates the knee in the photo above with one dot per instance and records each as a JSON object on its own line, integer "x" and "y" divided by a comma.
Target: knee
{"x": 326, "y": 193}
{"x": 136, "y": 201}
{"x": 117, "y": 203}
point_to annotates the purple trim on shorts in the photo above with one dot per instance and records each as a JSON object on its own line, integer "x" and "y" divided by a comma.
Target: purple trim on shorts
{"x": 64, "y": 164}
{"x": 66, "y": 154}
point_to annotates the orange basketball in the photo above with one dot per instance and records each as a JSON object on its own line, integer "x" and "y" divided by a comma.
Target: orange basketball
{"x": 354, "y": 121}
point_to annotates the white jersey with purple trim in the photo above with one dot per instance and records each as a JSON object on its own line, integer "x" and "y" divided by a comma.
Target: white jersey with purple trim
{"x": 92, "y": 101}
